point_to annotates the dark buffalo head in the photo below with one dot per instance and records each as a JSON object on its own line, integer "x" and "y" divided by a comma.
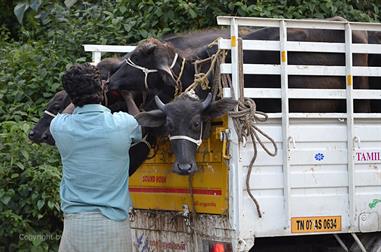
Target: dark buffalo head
{"x": 183, "y": 119}
{"x": 40, "y": 133}
{"x": 146, "y": 67}
{"x": 108, "y": 66}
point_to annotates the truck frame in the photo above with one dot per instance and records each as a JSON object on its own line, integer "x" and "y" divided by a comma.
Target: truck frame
{"x": 325, "y": 178}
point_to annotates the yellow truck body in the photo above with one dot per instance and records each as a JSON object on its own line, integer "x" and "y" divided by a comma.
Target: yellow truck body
{"x": 155, "y": 186}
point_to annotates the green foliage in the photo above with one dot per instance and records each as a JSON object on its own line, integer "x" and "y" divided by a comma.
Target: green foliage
{"x": 29, "y": 76}
{"x": 34, "y": 55}
{"x": 29, "y": 198}
{"x": 147, "y": 18}
{"x": 22, "y": 7}
{"x": 7, "y": 18}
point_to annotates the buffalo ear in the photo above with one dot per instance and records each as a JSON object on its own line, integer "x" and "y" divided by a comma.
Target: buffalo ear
{"x": 149, "y": 48}
{"x": 219, "y": 108}
{"x": 154, "y": 118}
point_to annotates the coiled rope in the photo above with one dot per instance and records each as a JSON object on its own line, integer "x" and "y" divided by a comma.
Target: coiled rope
{"x": 244, "y": 120}
{"x": 200, "y": 78}
{"x": 244, "y": 123}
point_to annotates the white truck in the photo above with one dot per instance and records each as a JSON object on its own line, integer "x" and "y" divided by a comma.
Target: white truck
{"x": 325, "y": 180}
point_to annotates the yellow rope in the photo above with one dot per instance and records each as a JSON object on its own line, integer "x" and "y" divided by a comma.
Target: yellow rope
{"x": 179, "y": 88}
{"x": 244, "y": 121}
{"x": 245, "y": 117}
{"x": 201, "y": 79}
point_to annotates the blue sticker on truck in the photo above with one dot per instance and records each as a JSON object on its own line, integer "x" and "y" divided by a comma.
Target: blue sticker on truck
{"x": 319, "y": 156}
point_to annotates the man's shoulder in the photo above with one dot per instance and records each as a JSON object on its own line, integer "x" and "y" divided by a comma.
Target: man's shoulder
{"x": 123, "y": 119}
{"x": 123, "y": 116}
{"x": 60, "y": 118}
{"x": 59, "y": 122}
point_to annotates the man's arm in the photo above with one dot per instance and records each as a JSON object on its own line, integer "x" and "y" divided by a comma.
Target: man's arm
{"x": 129, "y": 99}
{"x": 131, "y": 105}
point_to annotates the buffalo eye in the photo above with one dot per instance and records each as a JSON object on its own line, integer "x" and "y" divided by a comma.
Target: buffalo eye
{"x": 170, "y": 125}
{"x": 196, "y": 124}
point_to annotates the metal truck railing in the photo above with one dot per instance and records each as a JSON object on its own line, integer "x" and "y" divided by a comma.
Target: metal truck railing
{"x": 285, "y": 93}
{"x": 295, "y": 131}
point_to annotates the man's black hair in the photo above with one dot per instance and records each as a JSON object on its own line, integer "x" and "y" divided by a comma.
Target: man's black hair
{"x": 83, "y": 84}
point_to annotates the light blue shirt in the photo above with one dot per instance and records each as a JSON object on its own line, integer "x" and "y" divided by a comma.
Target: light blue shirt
{"x": 94, "y": 146}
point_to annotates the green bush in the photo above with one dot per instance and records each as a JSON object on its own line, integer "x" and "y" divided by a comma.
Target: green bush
{"x": 29, "y": 196}
{"x": 34, "y": 55}
{"x": 29, "y": 76}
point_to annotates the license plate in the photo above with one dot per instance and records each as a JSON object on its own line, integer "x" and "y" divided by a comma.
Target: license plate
{"x": 315, "y": 224}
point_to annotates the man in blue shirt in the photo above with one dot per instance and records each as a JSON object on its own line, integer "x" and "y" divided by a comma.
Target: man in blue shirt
{"x": 94, "y": 145}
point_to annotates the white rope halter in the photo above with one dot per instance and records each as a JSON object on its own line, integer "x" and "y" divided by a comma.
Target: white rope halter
{"x": 197, "y": 142}
{"x": 146, "y": 71}
{"x": 174, "y": 61}
{"x": 49, "y": 113}
{"x": 144, "y": 140}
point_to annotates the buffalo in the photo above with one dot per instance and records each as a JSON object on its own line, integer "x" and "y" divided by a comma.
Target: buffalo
{"x": 41, "y": 133}
{"x": 162, "y": 70}
{"x": 184, "y": 120}
{"x": 187, "y": 41}
{"x": 138, "y": 151}
{"x": 302, "y": 58}
{"x": 375, "y": 61}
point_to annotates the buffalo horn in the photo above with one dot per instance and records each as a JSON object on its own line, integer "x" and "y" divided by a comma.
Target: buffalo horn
{"x": 207, "y": 101}
{"x": 159, "y": 103}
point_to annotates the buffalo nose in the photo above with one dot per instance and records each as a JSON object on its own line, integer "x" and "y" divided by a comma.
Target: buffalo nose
{"x": 31, "y": 134}
{"x": 186, "y": 168}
